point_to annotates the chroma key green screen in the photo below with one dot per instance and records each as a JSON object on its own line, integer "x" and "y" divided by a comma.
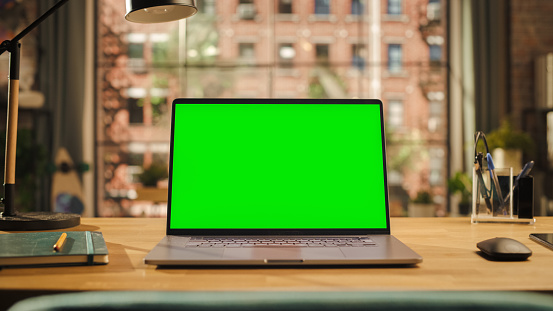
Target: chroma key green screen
{"x": 277, "y": 166}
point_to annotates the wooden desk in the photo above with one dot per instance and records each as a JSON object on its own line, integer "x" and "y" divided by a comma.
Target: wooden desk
{"x": 448, "y": 246}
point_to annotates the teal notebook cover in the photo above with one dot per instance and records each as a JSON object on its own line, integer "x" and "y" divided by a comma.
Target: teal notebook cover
{"x": 37, "y": 248}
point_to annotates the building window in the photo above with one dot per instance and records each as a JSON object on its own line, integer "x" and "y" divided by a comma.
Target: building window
{"x": 136, "y": 50}
{"x": 322, "y": 54}
{"x": 160, "y": 47}
{"x": 246, "y": 10}
{"x": 135, "y": 162}
{"x": 135, "y": 104}
{"x": 286, "y": 54}
{"x": 394, "y": 7}
{"x": 136, "y": 159}
{"x": 285, "y": 6}
{"x": 136, "y": 110}
{"x": 358, "y": 56}
{"x": 394, "y": 58}
{"x": 437, "y": 158}
{"x": 246, "y": 51}
{"x": 206, "y": 7}
{"x": 435, "y": 116}
{"x": 160, "y": 157}
{"x": 322, "y": 7}
{"x": 159, "y": 52}
{"x": 434, "y": 10}
{"x": 357, "y": 7}
{"x": 395, "y": 114}
{"x": 141, "y": 70}
{"x": 435, "y": 53}
{"x": 159, "y": 108}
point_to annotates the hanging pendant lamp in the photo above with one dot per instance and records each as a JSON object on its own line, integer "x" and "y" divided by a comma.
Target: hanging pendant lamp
{"x": 159, "y": 11}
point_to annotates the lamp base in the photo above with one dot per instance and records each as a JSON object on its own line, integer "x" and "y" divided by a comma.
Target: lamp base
{"x": 39, "y": 221}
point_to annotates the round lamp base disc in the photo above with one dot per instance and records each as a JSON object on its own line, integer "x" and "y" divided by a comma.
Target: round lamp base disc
{"x": 39, "y": 221}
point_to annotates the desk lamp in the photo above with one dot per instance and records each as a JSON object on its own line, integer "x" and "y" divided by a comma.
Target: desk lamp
{"x": 139, "y": 11}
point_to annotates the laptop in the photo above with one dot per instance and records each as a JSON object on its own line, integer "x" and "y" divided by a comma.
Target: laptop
{"x": 278, "y": 182}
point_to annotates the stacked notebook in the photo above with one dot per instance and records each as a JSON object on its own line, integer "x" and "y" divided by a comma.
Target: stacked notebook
{"x": 37, "y": 248}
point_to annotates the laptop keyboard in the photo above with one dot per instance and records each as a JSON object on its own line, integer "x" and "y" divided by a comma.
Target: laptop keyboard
{"x": 207, "y": 242}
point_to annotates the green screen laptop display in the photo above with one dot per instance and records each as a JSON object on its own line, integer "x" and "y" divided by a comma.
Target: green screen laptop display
{"x": 276, "y": 164}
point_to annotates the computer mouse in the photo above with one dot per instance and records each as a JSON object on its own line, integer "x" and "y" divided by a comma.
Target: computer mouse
{"x": 505, "y": 249}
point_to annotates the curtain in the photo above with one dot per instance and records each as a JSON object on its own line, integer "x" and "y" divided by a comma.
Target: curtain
{"x": 62, "y": 78}
{"x": 62, "y": 72}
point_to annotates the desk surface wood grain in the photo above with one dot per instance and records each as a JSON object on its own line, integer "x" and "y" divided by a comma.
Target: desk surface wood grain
{"x": 448, "y": 247}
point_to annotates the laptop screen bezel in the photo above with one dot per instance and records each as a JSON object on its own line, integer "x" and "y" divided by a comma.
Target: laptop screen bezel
{"x": 265, "y": 231}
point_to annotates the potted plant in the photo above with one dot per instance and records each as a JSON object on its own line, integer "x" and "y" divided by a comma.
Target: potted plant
{"x": 422, "y": 205}
{"x": 507, "y": 146}
{"x": 31, "y": 167}
{"x": 461, "y": 184}
{"x": 151, "y": 179}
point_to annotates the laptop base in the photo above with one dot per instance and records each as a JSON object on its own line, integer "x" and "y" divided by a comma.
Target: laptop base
{"x": 171, "y": 251}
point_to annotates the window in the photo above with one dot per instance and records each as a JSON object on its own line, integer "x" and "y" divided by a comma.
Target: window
{"x": 246, "y": 52}
{"x": 159, "y": 52}
{"x": 435, "y": 50}
{"x": 322, "y": 7}
{"x": 136, "y": 159}
{"x": 394, "y": 58}
{"x": 159, "y": 108}
{"x": 358, "y": 56}
{"x": 246, "y": 10}
{"x": 136, "y": 110}
{"x": 135, "y": 105}
{"x": 267, "y": 49}
{"x": 136, "y": 50}
{"x": 394, "y": 7}
{"x": 207, "y": 7}
{"x": 435, "y": 53}
{"x": 395, "y": 114}
{"x": 434, "y": 10}
{"x": 436, "y": 166}
{"x": 160, "y": 47}
{"x": 160, "y": 157}
{"x": 135, "y": 162}
{"x": 322, "y": 54}
{"x": 357, "y": 7}
{"x": 436, "y": 116}
{"x": 285, "y": 6}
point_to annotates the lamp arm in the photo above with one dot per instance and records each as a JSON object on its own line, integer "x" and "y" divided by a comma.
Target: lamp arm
{"x": 39, "y": 20}
{"x": 6, "y": 45}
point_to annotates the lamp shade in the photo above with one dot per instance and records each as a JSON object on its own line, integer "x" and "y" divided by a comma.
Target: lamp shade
{"x": 159, "y": 11}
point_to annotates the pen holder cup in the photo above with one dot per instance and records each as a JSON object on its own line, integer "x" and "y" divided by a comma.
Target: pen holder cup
{"x": 523, "y": 198}
{"x": 513, "y": 202}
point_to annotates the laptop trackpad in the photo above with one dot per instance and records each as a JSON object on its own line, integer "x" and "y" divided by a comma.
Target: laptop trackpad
{"x": 283, "y": 253}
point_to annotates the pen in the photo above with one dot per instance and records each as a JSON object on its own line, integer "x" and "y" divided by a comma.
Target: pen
{"x": 60, "y": 242}
{"x": 525, "y": 171}
{"x": 481, "y": 185}
{"x": 493, "y": 177}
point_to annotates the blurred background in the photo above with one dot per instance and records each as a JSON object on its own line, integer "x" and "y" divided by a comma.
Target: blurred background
{"x": 102, "y": 87}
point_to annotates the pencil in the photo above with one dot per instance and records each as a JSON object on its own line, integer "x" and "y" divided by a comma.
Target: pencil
{"x": 60, "y": 242}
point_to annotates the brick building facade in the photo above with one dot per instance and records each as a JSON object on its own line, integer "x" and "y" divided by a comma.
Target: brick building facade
{"x": 389, "y": 49}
